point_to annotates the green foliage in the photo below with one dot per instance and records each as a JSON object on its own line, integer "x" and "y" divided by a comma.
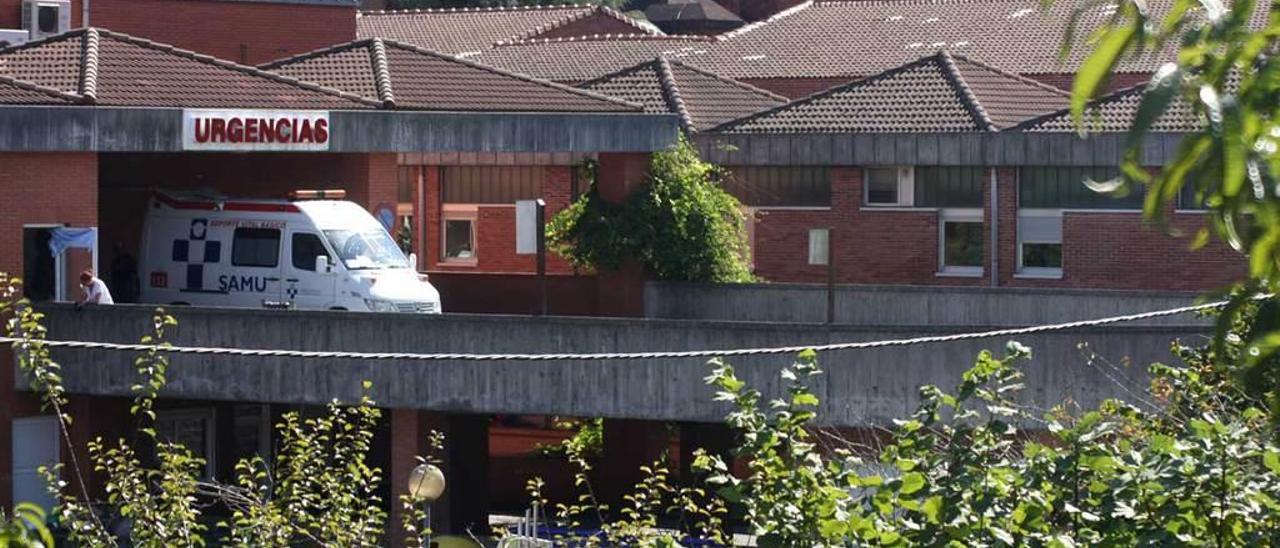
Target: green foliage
{"x": 682, "y": 226}
{"x": 1198, "y": 467}
{"x": 587, "y": 439}
{"x": 1229, "y": 75}
{"x": 26, "y": 528}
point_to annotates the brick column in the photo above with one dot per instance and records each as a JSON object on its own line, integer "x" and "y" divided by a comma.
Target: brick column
{"x": 628, "y": 445}
{"x": 621, "y": 291}
{"x": 1007, "y": 215}
{"x": 465, "y": 503}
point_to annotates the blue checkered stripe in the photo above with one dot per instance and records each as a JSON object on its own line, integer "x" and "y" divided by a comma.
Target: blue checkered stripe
{"x": 196, "y": 251}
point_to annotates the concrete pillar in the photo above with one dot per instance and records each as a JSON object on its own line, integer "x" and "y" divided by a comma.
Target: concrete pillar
{"x": 621, "y": 291}
{"x": 465, "y": 504}
{"x": 628, "y": 445}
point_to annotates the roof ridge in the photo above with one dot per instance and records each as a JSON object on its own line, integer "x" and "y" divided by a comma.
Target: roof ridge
{"x": 826, "y": 92}
{"x": 578, "y": 16}
{"x": 728, "y": 80}
{"x": 230, "y": 65}
{"x": 1094, "y": 103}
{"x": 770, "y": 19}
{"x": 381, "y": 73}
{"x": 476, "y": 9}
{"x": 622, "y": 71}
{"x": 52, "y": 92}
{"x": 671, "y": 92}
{"x": 1012, "y": 75}
{"x": 608, "y": 37}
{"x": 975, "y": 108}
{"x": 504, "y": 72}
{"x": 334, "y": 48}
{"x": 89, "y": 65}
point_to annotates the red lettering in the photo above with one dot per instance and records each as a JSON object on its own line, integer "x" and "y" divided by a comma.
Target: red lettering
{"x": 284, "y": 130}
{"x": 266, "y": 132}
{"x": 304, "y": 134}
{"x": 202, "y": 130}
{"x": 322, "y": 131}
{"x": 218, "y": 130}
{"x": 251, "y": 130}
{"x": 235, "y": 130}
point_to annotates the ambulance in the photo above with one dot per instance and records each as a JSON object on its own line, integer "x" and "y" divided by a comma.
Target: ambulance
{"x": 311, "y": 252}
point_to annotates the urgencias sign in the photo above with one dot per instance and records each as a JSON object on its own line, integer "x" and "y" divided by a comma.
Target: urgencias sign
{"x": 247, "y": 130}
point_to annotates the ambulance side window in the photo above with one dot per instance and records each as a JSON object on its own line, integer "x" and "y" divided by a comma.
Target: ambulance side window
{"x": 256, "y": 247}
{"x": 306, "y": 247}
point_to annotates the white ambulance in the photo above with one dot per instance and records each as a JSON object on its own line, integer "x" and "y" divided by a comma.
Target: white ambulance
{"x": 321, "y": 254}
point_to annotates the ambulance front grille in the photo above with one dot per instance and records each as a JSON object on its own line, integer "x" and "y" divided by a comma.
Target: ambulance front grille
{"x": 416, "y": 308}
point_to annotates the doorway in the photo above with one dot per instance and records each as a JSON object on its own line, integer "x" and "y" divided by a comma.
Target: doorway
{"x": 40, "y": 280}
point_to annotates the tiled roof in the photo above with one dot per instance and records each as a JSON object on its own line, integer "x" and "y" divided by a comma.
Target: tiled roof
{"x": 706, "y": 10}
{"x": 862, "y": 37}
{"x": 702, "y": 99}
{"x": 106, "y": 68}
{"x": 467, "y": 31}
{"x": 17, "y": 92}
{"x": 938, "y": 93}
{"x": 585, "y": 58}
{"x": 410, "y": 77}
{"x": 1114, "y": 113}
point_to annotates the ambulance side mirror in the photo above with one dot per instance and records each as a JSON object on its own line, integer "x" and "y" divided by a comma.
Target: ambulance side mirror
{"x": 322, "y": 264}
{"x": 413, "y": 261}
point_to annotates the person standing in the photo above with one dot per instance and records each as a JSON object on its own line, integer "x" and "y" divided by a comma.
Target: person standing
{"x": 95, "y": 290}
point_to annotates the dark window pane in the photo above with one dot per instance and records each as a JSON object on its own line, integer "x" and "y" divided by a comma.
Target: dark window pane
{"x": 47, "y": 19}
{"x": 1064, "y": 188}
{"x": 457, "y": 239}
{"x": 256, "y": 247}
{"x": 882, "y": 186}
{"x": 948, "y": 187}
{"x": 962, "y": 244}
{"x": 1042, "y": 255}
{"x": 306, "y": 247}
{"x": 801, "y": 186}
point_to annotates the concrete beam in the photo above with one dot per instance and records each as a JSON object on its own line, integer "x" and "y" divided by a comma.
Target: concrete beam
{"x": 859, "y": 388}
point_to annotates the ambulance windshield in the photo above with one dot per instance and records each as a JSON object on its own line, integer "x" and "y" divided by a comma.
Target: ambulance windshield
{"x": 370, "y": 249}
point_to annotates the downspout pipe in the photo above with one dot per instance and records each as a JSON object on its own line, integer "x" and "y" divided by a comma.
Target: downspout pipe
{"x": 995, "y": 229}
{"x": 84, "y": 13}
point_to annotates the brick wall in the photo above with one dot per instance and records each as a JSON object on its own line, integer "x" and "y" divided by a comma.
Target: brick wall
{"x": 245, "y": 32}
{"x": 1118, "y": 81}
{"x": 796, "y": 88}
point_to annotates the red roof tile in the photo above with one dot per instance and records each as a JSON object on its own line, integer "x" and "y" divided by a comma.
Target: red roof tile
{"x": 467, "y": 31}
{"x": 938, "y": 93}
{"x": 862, "y": 37}
{"x": 1115, "y": 113}
{"x": 702, "y": 99}
{"x": 112, "y": 69}
{"x": 580, "y": 59}
{"x": 17, "y": 92}
{"x": 410, "y": 77}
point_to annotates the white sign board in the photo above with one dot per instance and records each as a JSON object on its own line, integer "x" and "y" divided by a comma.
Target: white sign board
{"x": 249, "y": 129}
{"x": 527, "y": 227}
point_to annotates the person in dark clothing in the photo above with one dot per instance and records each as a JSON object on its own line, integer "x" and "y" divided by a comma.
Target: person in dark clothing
{"x": 124, "y": 275}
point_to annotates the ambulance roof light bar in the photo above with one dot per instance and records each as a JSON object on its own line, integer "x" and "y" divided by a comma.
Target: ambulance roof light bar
{"x": 328, "y": 194}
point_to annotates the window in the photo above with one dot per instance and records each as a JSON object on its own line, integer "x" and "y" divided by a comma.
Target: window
{"x": 47, "y": 19}
{"x": 306, "y": 247}
{"x": 406, "y": 183}
{"x": 256, "y": 247}
{"x": 819, "y": 239}
{"x": 889, "y": 186}
{"x": 1064, "y": 188}
{"x": 190, "y": 428}
{"x": 937, "y": 186}
{"x": 459, "y": 232}
{"x": 1187, "y": 199}
{"x": 960, "y": 242}
{"x": 802, "y": 186}
{"x": 1040, "y": 243}
{"x": 491, "y": 184}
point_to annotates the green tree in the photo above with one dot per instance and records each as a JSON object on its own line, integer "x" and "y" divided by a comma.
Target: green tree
{"x": 1227, "y": 72}
{"x": 682, "y": 225}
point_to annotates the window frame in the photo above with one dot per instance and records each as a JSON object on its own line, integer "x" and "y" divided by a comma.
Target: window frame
{"x": 292, "y": 251}
{"x": 960, "y": 215}
{"x": 207, "y": 414}
{"x": 235, "y": 238}
{"x": 1024, "y": 271}
{"x": 905, "y": 176}
{"x": 455, "y": 212}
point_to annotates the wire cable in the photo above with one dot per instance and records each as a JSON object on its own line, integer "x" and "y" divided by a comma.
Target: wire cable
{"x": 454, "y": 356}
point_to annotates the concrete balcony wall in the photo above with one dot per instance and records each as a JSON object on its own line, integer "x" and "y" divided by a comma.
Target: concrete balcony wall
{"x": 859, "y": 388}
